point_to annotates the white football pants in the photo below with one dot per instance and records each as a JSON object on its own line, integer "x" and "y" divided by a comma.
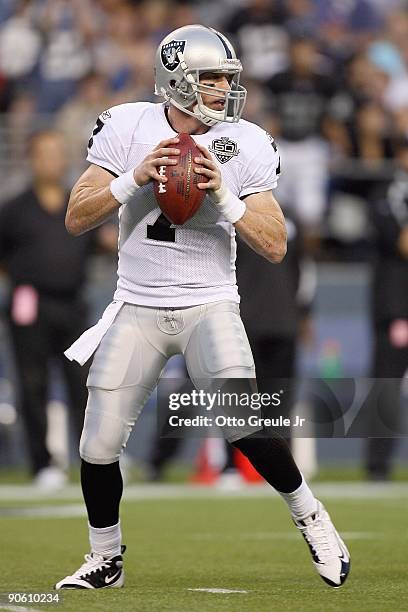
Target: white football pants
{"x": 132, "y": 355}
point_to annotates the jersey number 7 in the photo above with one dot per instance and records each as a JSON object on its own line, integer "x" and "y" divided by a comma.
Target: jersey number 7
{"x": 99, "y": 125}
{"x": 161, "y": 230}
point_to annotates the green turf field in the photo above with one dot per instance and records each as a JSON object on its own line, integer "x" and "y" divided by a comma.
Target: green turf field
{"x": 227, "y": 542}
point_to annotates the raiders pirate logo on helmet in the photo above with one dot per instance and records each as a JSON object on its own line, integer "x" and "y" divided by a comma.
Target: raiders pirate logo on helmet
{"x": 169, "y": 53}
{"x": 224, "y": 149}
{"x": 180, "y": 59}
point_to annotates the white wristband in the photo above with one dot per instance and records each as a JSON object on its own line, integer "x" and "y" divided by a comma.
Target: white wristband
{"x": 124, "y": 187}
{"x": 228, "y": 204}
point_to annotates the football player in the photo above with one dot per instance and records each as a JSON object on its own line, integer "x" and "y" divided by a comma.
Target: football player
{"x": 176, "y": 290}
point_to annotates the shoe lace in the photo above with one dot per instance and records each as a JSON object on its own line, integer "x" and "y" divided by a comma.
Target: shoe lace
{"x": 93, "y": 563}
{"x": 319, "y": 536}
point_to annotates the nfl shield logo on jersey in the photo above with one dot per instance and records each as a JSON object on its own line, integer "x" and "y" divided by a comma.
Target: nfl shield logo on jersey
{"x": 224, "y": 149}
{"x": 169, "y": 53}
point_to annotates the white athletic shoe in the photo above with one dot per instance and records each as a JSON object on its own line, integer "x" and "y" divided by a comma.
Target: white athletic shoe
{"x": 50, "y": 478}
{"x": 230, "y": 480}
{"x": 96, "y": 573}
{"x": 330, "y": 555}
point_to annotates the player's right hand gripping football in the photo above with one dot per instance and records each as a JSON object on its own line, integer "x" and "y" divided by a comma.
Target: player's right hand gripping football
{"x": 148, "y": 169}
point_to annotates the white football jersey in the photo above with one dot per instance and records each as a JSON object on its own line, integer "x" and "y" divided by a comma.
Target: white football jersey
{"x": 175, "y": 266}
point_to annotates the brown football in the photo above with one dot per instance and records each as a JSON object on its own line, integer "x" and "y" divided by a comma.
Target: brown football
{"x": 179, "y": 198}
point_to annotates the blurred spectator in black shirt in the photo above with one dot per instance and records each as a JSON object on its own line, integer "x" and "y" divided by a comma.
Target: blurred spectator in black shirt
{"x": 362, "y": 134}
{"x": 368, "y": 143}
{"x": 301, "y": 98}
{"x": 370, "y": 137}
{"x": 390, "y": 307}
{"x": 46, "y": 311}
{"x": 260, "y": 37}
{"x": 276, "y": 307}
{"x": 6, "y": 92}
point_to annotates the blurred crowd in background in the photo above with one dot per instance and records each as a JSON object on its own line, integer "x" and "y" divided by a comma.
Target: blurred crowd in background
{"x": 329, "y": 80}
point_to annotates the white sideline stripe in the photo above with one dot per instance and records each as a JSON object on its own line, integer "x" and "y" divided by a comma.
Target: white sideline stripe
{"x": 66, "y": 511}
{"x": 18, "y": 609}
{"x": 283, "y": 535}
{"x": 334, "y": 490}
{"x": 222, "y": 591}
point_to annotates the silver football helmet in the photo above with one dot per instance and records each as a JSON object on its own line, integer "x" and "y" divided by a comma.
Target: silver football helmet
{"x": 180, "y": 59}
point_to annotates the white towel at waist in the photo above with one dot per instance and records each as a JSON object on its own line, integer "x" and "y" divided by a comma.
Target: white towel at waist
{"x": 88, "y": 342}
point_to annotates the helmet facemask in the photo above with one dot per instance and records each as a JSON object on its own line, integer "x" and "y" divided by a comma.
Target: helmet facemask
{"x": 189, "y": 91}
{"x": 234, "y": 98}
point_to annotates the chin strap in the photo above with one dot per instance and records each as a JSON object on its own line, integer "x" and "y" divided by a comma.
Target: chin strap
{"x": 194, "y": 113}
{"x": 207, "y": 120}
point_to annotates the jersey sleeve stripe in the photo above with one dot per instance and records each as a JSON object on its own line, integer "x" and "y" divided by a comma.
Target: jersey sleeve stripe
{"x": 103, "y": 163}
{"x": 107, "y": 170}
{"x": 251, "y": 191}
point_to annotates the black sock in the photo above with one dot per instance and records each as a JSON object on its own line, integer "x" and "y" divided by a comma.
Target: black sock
{"x": 272, "y": 458}
{"x": 102, "y": 487}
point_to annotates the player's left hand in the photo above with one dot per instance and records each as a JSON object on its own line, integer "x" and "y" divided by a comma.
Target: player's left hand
{"x": 208, "y": 167}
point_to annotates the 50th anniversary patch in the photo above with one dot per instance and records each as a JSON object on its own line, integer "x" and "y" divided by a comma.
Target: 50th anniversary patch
{"x": 224, "y": 149}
